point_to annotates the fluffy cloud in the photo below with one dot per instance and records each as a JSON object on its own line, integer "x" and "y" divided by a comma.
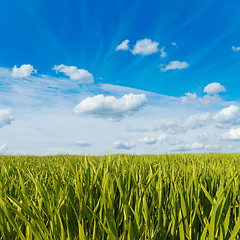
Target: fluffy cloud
{"x": 235, "y": 49}
{"x": 192, "y": 98}
{"x": 24, "y": 71}
{"x": 197, "y": 120}
{"x": 203, "y": 137}
{"x": 5, "y": 117}
{"x": 148, "y": 140}
{"x": 195, "y": 146}
{"x": 5, "y": 72}
{"x": 233, "y": 134}
{"x": 189, "y": 97}
{"x": 161, "y": 138}
{"x": 42, "y": 100}
{"x": 173, "y": 127}
{"x": 193, "y": 122}
{"x": 3, "y": 148}
{"x": 123, "y": 145}
{"x": 212, "y": 147}
{"x": 83, "y": 143}
{"x": 228, "y": 115}
{"x": 174, "y": 44}
{"x": 214, "y": 88}
{"x": 163, "y": 53}
{"x": 145, "y": 47}
{"x": 123, "y": 45}
{"x": 110, "y": 107}
{"x": 81, "y": 75}
{"x": 188, "y": 147}
{"x": 175, "y": 65}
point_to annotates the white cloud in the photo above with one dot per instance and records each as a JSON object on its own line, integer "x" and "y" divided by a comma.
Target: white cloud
{"x": 83, "y": 143}
{"x": 192, "y": 122}
{"x": 235, "y": 49}
{"x": 233, "y": 134}
{"x": 145, "y": 47}
{"x": 123, "y": 45}
{"x": 174, "y": 44}
{"x": 24, "y": 71}
{"x": 189, "y": 97}
{"x": 5, "y": 72}
{"x": 154, "y": 140}
{"x": 192, "y": 98}
{"x": 161, "y": 138}
{"x": 214, "y": 88}
{"x": 197, "y": 120}
{"x": 43, "y": 105}
{"x": 228, "y": 115}
{"x": 123, "y": 145}
{"x": 163, "y": 52}
{"x": 212, "y": 147}
{"x": 188, "y": 147}
{"x": 196, "y": 146}
{"x": 148, "y": 140}
{"x": 81, "y": 75}
{"x": 3, "y": 148}
{"x": 203, "y": 137}
{"x": 5, "y": 117}
{"x": 173, "y": 127}
{"x": 175, "y": 65}
{"x": 174, "y": 141}
{"x": 110, "y": 107}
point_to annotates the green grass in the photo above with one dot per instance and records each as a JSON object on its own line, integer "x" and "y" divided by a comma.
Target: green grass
{"x": 185, "y": 196}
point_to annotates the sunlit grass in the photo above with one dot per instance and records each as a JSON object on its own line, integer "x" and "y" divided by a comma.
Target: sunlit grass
{"x": 181, "y": 196}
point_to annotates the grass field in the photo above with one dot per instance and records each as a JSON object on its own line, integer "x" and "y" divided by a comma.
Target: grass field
{"x": 182, "y": 196}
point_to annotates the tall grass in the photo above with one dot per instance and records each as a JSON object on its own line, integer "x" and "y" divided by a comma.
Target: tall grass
{"x": 120, "y": 197}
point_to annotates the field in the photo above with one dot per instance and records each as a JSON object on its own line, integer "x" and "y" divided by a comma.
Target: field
{"x": 182, "y": 196}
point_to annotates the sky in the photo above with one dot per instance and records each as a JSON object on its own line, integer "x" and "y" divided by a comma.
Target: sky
{"x": 135, "y": 77}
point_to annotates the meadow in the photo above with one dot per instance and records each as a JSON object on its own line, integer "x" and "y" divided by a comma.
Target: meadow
{"x": 170, "y": 196}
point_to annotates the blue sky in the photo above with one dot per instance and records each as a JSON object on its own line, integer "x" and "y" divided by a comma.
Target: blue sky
{"x": 125, "y": 76}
